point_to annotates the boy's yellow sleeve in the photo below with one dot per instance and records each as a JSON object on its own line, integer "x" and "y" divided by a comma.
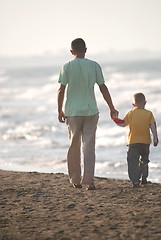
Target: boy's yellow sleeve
{"x": 126, "y": 119}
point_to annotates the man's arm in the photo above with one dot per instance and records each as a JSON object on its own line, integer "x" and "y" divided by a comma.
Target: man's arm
{"x": 153, "y": 128}
{"x": 61, "y": 92}
{"x": 108, "y": 99}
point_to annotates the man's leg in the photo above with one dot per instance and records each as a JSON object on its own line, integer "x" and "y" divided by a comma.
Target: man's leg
{"x": 73, "y": 156}
{"x": 88, "y": 138}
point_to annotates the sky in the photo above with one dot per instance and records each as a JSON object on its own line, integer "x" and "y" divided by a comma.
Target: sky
{"x": 35, "y": 27}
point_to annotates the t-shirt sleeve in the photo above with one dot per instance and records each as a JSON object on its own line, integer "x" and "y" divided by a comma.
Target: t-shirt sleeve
{"x": 63, "y": 76}
{"x": 99, "y": 75}
{"x": 152, "y": 119}
{"x": 126, "y": 119}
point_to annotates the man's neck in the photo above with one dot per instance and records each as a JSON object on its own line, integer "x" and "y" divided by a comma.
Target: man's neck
{"x": 80, "y": 55}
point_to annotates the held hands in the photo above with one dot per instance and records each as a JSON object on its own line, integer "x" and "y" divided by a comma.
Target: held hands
{"x": 61, "y": 117}
{"x": 114, "y": 113}
{"x": 118, "y": 121}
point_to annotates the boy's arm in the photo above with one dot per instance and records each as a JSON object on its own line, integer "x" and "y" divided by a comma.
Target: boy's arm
{"x": 108, "y": 99}
{"x": 119, "y": 121}
{"x": 153, "y": 128}
{"x": 61, "y": 92}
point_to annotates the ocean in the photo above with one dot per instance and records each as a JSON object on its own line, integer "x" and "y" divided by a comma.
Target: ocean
{"x": 32, "y": 139}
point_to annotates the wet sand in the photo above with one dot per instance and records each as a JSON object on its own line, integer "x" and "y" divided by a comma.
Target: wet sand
{"x": 35, "y": 206}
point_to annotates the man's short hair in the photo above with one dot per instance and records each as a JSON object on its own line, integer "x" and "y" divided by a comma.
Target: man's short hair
{"x": 139, "y": 97}
{"x": 78, "y": 45}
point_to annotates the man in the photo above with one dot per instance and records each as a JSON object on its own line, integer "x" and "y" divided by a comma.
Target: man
{"x": 81, "y": 112}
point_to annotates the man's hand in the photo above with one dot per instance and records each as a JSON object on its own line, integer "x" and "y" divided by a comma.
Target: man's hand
{"x": 61, "y": 91}
{"x": 114, "y": 113}
{"x": 61, "y": 117}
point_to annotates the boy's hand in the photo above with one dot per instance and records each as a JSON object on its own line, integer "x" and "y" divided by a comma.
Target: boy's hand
{"x": 61, "y": 117}
{"x": 155, "y": 141}
{"x": 118, "y": 120}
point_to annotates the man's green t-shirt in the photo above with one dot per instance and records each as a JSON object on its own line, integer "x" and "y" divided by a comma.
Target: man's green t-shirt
{"x": 80, "y": 75}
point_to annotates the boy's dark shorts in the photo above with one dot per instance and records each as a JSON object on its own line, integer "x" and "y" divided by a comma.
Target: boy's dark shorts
{"x": 139, "y": 149}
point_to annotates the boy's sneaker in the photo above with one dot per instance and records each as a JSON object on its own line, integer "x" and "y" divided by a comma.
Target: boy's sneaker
{"x": 144, "y": 181}
{"x": 136, "y": 184}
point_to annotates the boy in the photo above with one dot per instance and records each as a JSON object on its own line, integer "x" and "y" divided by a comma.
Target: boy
{"x": 139, "y": 121}
{"x": 81, "y": 112}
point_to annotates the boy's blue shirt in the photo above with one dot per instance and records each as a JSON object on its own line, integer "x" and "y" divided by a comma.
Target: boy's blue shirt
{"x": 80, "y": 75}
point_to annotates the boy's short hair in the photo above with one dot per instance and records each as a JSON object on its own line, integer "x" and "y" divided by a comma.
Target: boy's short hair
{"x": 139, "y": 97}
{"x": 78, "y": 45}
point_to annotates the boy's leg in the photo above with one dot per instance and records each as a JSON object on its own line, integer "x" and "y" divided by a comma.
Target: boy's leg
{"x": 133, "y": 163}
{"x": 88, "y": 138}
{"x": 144, "y": 152}
{"x": 73, "y": 156}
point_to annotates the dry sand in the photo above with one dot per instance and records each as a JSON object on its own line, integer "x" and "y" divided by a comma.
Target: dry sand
{"x": 35, "y": 206}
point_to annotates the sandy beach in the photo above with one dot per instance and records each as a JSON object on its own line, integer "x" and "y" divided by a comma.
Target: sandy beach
{"x": 45, "y": 206}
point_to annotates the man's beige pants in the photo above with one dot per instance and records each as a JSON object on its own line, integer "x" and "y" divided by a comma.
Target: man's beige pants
{"x": 82, "y": 128}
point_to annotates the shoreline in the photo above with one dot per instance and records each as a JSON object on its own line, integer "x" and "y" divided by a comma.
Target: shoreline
{"x": 45, "y": 206}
